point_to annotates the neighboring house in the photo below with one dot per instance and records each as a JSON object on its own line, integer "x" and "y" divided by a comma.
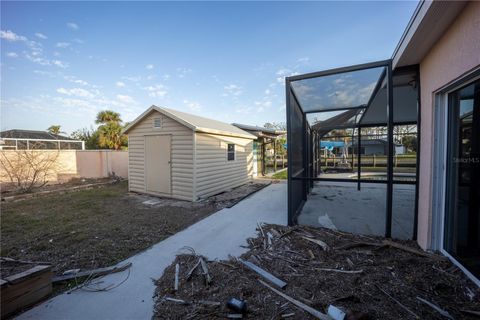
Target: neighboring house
{"x": 183, "y": 156}
{"x": 265, "y": 138}
{"x": 378, "y": 147}
{"x": 30, "y": 139}
{"x": 433, "y": 81}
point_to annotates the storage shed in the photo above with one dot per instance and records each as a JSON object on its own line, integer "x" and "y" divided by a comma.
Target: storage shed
{"x": 183, "y": 156}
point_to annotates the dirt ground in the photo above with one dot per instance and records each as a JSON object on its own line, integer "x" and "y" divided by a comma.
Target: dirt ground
{"x": 97, "y": 227}
{"x": 8, "y": 189}
{"x": 384, "y": 282}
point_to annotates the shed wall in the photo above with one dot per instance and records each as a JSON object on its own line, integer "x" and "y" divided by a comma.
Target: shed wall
{"x": 214, "y": 173}
{"x": 181, "y": 154}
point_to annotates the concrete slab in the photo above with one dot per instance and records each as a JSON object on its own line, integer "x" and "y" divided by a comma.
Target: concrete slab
{"x": 340, "y": 205}
{"x": 216, "y": 237}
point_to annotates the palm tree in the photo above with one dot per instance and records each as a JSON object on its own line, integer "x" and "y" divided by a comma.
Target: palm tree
{"x": 55, "y": 129}
{"x": 107, "y": 116}
{"x": 110, "y": 130}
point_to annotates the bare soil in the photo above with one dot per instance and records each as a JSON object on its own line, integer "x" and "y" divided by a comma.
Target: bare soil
{"x": 386, "y": 275}
{"x": 97, "y": 227}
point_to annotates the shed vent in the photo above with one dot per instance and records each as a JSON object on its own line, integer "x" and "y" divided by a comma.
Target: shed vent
{"x": 157, "y": 122}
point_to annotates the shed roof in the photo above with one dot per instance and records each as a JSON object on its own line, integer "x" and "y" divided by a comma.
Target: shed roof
{"x": 259, "y": 131}
{"x": 196, "y": 123}
{"x": 32, "y": 134}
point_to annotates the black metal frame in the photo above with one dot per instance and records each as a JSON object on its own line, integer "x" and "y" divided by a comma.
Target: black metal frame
{"x": 304, "y": 176}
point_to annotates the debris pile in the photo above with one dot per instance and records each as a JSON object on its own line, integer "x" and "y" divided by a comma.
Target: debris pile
{"x": 307, "y": 273}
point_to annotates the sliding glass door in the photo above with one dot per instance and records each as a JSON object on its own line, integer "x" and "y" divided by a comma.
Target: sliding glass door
{"x": 462, "y": 218}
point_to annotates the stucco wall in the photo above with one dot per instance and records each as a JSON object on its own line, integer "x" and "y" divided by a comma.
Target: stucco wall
{"x": 68, "y": 163}
{"x": 102, "y": 163}
{"x": 456, "y": 53}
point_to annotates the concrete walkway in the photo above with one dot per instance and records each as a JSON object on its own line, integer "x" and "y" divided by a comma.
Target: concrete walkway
{"x": 216, "y": 236}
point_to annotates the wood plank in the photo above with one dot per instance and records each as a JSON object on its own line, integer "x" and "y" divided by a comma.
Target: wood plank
{"x": 266, "y": 275}
{"x": 19, "y": 277}
{"x": 96, "y": 272}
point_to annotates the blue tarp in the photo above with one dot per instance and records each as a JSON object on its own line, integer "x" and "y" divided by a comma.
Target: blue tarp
{"x": 331, "y": 144}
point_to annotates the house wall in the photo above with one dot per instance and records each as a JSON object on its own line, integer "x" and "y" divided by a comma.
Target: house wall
{"x": 181, "y": 154}
{"x": 214, "y": 173}
{"x": 456, "y": 53}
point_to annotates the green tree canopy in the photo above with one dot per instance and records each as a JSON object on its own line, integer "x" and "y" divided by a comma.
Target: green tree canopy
{"x": 106, "y": 116}
{"x": 110, "y": 130}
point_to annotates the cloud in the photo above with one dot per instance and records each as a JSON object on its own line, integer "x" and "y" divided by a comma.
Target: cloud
{"x": 73, "y": 25}
{"x": 284, "y": 72}
{"x": 74, "y": 79}
{"x": 79, "y": 41}
{"x": 39, "y": 60}
{"x": 125, "y": 99}
{"x": 40, "y": 35}
{"x": 157, "y": 91}
{"x": 149, "y": 66}
{"x": 244, "y": 110}
{"x": 120, "y": 84}
{"x": 192, "y": 105}
{"x": 166, "y": 77}
{"x": 63, "y": 44}
{"x": 233, "y": 90}
{"x": 11, "y": 36}
{"x": 12, "y": 54}
{"x": 132, "y": 78}
{"x": 60, "y": 64}
{"x": 77, "y": 92}
{"x": 182, "y": 72}
{"x": 303, "y": 60}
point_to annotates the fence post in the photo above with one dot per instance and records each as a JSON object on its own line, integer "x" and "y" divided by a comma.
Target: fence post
{"x": 374, "y": 162}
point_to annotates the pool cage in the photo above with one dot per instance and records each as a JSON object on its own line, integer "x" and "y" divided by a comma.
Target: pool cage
{"x": 355, "y": 115}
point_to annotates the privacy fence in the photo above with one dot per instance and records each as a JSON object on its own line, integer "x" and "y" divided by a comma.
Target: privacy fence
{"x": 61, "y": 165}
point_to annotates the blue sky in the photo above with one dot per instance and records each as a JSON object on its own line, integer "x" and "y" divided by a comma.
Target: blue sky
{"x": 62, "y": 62}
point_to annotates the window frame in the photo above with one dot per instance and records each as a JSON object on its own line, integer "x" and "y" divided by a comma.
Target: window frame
{"x": 233, "y": 152}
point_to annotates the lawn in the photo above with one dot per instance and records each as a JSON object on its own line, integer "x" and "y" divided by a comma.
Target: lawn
{"x": 96, "y": 227}
{"x": 280, "y": 175}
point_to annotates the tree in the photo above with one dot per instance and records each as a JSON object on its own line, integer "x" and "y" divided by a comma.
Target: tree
{"x": 276, "y": 125}
{"x": 27, "y": 169}
{"x": 410, "y": 142}
{"x": 107, "y": 116}
{"x": 55, "y": 129}
{"x": 89, "y": 136}
{"x": 110, "y": 130}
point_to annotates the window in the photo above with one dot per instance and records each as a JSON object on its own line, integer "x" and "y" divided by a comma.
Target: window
{"x": 157, "y": 122}
{"x": 231, "y": 152}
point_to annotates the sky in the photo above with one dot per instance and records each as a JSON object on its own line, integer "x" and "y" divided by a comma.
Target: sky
{"x": 63, "y": 62}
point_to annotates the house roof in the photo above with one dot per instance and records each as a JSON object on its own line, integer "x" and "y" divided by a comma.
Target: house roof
{"x": 196, "y": 123}
{"x": 259, "y": 131}
{"x": 427, "y": 25}
{"x": 32, "y": 134}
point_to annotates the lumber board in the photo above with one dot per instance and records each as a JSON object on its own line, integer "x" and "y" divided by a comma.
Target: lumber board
{"x": 27, "y": 288}
{"x": 266, "y": 275}
{"x": 96, "y": 272}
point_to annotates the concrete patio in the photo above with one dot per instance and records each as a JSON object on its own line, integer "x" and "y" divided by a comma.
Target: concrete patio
{"x": 216, "y": 237}
{"x": 339, "y": 205}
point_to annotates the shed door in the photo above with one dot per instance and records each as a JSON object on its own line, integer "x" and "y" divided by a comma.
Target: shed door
{"x": 157, "y": 163}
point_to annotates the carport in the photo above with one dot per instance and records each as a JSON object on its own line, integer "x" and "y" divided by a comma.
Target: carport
{"x": 345, "y": 107}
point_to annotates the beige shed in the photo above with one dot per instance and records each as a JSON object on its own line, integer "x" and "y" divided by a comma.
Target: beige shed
{"x": 183, "y": 156}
